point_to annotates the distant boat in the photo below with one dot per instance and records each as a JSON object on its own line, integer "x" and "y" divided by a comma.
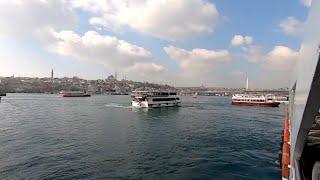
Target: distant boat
{"x": 74, "y": 94}
{"x": 154, "y": 99}
{"x": 195, "y": 95}
{"x": 282, "y": 99}
{"x": 254, "y": 100}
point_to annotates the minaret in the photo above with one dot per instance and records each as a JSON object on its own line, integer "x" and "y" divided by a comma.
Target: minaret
{"x": 124, "y": 76}
{"x": 52, "y": 81}
{"x": 247, "y": 84}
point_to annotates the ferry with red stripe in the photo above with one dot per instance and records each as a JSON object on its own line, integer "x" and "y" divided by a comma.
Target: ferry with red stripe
{"x": 268, "y": 100}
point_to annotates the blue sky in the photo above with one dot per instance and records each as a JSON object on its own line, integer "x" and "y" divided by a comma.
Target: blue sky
{"x": 182, "y": 43}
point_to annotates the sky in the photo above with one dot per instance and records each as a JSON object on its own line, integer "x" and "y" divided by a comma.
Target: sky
{"x": 215, "y": 43}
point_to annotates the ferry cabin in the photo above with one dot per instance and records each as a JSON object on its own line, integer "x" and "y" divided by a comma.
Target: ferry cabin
{"x": 154, "y": 99}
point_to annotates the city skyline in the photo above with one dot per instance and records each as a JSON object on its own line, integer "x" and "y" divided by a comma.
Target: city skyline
{"x": 218, "y": 46}
{"x": 246, "y": 85}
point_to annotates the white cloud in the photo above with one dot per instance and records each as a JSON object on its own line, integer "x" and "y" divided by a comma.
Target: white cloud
{"x": 149, "y": 71}
{"x": 164, "y": 19}
{"x": 280, "y": 58}
{"x": 291, "y": 26}
{"x": 105, "y": 50}
{"x": 248, "y": 39}
{"x": 241, "y": 40}
{"x": 198, "y": 66}
{"x": 95, "y": 6}
{"x": 306, "y": 3}
{"x": 198, "y": 60}
{"x": 19, "y": 17}
{"x": 146, "y": 67}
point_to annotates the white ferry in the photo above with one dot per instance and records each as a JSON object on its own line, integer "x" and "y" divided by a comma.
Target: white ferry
{"x": 154, "y": 99}
{"x": 268, "y": 100}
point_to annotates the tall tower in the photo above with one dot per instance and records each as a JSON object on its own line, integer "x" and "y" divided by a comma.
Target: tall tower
{"x": 247, "y": 84}
{"x": 124, "y": 76}
{"x": 116, "y": 75}
{"x": 52, "y": 81}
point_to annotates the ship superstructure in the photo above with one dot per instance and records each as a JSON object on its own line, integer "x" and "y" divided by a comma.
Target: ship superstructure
{"x": 300, "y": 157}
{"x": 154, "y": 99}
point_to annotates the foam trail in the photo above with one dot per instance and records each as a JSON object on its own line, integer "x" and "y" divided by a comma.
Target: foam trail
{"x": 116, "y": 105}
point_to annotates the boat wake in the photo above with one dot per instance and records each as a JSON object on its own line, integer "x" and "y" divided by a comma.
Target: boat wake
{"x": 116, "y": 105}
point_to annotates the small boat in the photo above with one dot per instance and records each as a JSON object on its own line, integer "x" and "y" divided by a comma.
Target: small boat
{"x": 74, "y": 94}
{"x": 282, "y": 99}
{"x": 195, "y": 95}
{"x": 154, "y": 99}
{"x": 254, "y": 100}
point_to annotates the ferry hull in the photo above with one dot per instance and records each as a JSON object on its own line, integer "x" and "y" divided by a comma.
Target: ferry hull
{"x": 145, "y": 104}
{"x": 263, "y": 104}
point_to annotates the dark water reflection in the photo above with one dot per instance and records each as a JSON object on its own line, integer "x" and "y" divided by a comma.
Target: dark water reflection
{"x": 44, "y": 136}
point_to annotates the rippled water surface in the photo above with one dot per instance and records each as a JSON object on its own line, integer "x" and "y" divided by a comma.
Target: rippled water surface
{"x": 101, "y": 137}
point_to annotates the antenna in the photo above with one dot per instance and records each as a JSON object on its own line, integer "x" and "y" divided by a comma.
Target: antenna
{"x": 116, "y": 75}
{"x": 247, "y": 84}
